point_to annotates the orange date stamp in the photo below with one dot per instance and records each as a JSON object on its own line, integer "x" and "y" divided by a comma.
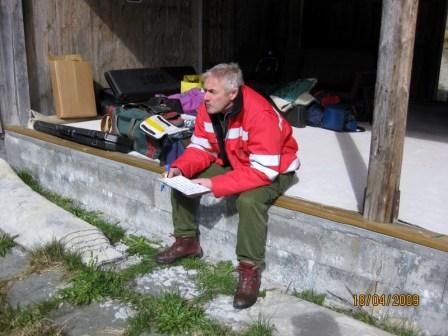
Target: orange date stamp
{"x": 395, "y": 300}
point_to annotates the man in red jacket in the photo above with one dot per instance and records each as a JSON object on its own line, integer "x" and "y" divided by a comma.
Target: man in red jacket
{"x": 242, "y": 146}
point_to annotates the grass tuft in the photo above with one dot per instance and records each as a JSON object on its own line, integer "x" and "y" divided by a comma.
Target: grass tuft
{"x": 93, "y": 284}
{"x": 310, "y": 296}
{"x": 263, "y": 327}
{"x": 169, "y": 315}
{"x": 112, "y": 231}
{"x": 141, "y": 322}
{"x": 139, "y": 245}
{"x": 175, "y": 316}
{"x": 216, "y": 279}
{"x": 193, "y": 264}
{"x": 6, "y": 243}
{"x": 53, "y": 254}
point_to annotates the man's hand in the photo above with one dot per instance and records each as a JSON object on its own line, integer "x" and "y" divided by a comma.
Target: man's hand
{"x": 206, "y": 182}
{"x": 174, "y": 172}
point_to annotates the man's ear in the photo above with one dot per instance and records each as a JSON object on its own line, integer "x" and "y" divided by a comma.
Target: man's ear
{"x": 233, "y": 95}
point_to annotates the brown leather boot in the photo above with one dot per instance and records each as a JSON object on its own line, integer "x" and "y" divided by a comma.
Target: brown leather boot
{"x": 249, "y": 284}
{"x": 183, "y": 247}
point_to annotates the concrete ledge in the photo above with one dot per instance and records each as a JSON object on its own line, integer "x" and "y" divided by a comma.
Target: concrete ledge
{"x": 410, "y": 233}
{"x": 303, "y": 251}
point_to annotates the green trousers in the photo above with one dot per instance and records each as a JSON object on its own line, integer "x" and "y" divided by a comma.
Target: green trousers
{"x": 252, "y": 208}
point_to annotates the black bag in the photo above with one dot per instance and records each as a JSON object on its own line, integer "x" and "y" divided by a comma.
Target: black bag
{"x": 137, "y": 85}
{"x": 164, "y": 104}
{"x": 102, "y": 140}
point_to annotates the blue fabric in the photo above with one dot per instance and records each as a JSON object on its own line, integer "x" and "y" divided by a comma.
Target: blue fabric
{"x": 314, "y": 115}
{"x": 176, "y": 149}
{"x": 334, "y": 117}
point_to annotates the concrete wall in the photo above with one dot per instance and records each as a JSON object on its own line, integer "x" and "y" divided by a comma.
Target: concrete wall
{"x": 303, "y": 252}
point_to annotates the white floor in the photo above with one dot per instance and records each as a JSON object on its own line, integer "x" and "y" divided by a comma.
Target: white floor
{"x": 334, "y": 172}
{"x": 334, "y": 169}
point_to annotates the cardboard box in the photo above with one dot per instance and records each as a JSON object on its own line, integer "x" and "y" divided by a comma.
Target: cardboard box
{"x": 72, "y": 83}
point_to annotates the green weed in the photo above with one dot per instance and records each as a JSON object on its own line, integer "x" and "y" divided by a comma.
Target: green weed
{"x": 364, "y": 317}
{"x": 139, "y": 245}
{"x": 53, "y": 254}
{"x": 263, "y": 327}
{"x": 46, "y": 256}
{"x": 6, "y": 243}
{"x": 216, "y": 279}
{"x": 140, "y": 323}
{"x": 146, "y": 311}
{"x": 310, "y": 296}
{"x": 213, "y": 328}
{"x": 193, "y": 263}
{"x": 93, "y": 284}
{"x": 168, "y": 315}
{"x": 112, "y": 231}
{"x": 175, "y": 316}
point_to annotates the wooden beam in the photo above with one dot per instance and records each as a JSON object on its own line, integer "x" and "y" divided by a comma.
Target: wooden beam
{"x": 391, "y": 104}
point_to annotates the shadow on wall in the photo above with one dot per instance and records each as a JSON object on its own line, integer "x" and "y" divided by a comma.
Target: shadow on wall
{"x": 212, "y": 210}
{"x": 156, "y": 32}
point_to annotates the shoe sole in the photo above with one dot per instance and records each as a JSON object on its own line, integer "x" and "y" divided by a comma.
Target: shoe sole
{"x": 194, "y": 256}
{"x": 244, "y": 306}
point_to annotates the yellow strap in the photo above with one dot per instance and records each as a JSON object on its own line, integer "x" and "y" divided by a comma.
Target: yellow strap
{"x": 155, "y": 125}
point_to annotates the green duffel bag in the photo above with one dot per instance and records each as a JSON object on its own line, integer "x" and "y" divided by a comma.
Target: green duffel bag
{"x": 126, "y": 122}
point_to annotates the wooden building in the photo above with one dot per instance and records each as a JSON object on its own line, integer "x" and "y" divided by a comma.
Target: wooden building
{"x": 331, "y": 40}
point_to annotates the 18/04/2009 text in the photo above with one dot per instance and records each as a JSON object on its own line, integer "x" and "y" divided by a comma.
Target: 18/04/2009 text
{"x": 397, "y": 300}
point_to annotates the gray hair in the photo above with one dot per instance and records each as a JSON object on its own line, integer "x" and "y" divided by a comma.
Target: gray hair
{"x": 229, "y": 73}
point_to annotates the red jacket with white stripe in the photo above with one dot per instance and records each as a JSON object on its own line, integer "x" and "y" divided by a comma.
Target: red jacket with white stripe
{"x": 259, "y": 145}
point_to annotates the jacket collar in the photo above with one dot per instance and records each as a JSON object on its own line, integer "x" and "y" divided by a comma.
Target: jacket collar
{"x": 237, "y": 105}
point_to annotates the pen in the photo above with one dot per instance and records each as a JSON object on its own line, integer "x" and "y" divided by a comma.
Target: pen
{"x": 167, "y": 170}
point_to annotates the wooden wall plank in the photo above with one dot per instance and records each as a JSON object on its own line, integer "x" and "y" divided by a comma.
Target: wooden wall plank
{"x": 391, "y": 104}
{"x": 197, "y": 17}
{"x": 219, "y": 30}
{"x": 109, "y": 35}
{"x": 14, "y": 103}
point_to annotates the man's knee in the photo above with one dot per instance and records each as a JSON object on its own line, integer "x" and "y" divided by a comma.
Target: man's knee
{"x": 247, "y": 201}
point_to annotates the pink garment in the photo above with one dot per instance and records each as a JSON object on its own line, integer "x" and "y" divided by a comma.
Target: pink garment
{"x": 190, "y": 100}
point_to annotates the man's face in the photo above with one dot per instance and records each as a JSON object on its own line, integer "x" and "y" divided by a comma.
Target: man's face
{"x": 216, "y": 99}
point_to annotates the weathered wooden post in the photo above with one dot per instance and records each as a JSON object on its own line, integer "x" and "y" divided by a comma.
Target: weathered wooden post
{"x": 391, "y": 103}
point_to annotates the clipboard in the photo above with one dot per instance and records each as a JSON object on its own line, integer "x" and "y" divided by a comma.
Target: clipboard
{"x": 185, "y": 186}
